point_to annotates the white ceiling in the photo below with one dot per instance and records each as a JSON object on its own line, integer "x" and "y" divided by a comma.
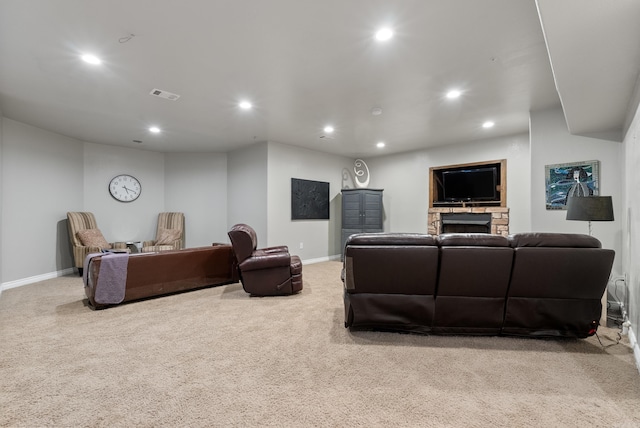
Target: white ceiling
{"x": 308, "y": 63}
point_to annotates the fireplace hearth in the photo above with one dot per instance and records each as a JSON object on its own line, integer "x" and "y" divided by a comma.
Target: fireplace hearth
{"x": 466, "y": 222}
{"x": 493, "y": 220}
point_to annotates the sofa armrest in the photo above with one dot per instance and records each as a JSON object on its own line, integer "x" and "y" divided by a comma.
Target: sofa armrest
{"x": 263, "y": 260}
{"x": 81, "y": 252}
{"x": 274, "y": 250}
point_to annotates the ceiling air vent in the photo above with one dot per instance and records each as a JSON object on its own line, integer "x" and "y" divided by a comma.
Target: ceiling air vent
{"x": 164, "y": 94}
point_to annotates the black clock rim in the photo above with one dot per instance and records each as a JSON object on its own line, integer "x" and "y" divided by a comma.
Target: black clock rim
{"x": 120, "y": 200}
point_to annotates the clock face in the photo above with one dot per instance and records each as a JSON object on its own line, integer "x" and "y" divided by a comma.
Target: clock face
{"x": 125, "y": 188}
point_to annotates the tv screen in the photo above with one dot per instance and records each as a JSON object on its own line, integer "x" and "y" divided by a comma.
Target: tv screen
{"x": 470, "y": 184}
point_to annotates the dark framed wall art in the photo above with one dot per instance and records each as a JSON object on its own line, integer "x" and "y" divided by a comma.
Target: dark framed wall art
{"x": 309, "y": 200}
{"x": 570, "y": 179}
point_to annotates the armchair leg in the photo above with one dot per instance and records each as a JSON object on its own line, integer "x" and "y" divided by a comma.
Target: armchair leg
{"x": 80, "y": 271}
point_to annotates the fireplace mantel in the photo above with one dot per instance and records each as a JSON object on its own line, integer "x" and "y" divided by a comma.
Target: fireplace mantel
{"x": 499, "y": 218}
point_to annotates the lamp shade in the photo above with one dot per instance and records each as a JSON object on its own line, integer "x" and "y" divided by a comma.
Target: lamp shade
{"x": 590, "y": 208}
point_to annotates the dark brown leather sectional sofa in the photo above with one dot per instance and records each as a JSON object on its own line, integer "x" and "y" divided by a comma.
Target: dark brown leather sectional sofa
{"x": 154, "y": 274}
{"x": 529, "y": 284}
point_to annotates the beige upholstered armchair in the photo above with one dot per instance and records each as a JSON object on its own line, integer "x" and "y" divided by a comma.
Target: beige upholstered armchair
{"x": 169, "y": 233}
{"x": 86, "y": 238}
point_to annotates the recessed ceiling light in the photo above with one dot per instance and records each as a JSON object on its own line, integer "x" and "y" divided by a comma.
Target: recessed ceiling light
{"x": 245, "y": 105}
{"x": 91, "y": 59}
{"x": 154, "y": 129}
{"x": 380, "y": 145}
{"x": 384, "y": 34}
{"x": 454, "y": 93}
{"x": 376, "y": 111}
{"x": 488, "y": 124}
{"x": 328, "y": 129}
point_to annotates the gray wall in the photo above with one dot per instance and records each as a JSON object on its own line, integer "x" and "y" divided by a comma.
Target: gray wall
{"x": 118, "y": 221}
{"x": 1, "y": 193}
{"x": 44, "y": 175}
{"x": 551, "y": 143}
{"x": 405, "y": 180}
{"x": 320, "y": 238}
{"x": 266, "y": 169}
{"x": 196, "y": 184}
{"x": 247, "y": 189}
{"x": 630, "y": 220}
{"x": 42, "y": 179}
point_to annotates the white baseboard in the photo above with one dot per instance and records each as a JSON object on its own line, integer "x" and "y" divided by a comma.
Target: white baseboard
{"x": 633, "y": 341}
{"x": 32, "y": 279}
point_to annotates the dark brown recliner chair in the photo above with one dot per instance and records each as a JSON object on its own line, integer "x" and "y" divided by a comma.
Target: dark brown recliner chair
{"x": 268, "y": 271}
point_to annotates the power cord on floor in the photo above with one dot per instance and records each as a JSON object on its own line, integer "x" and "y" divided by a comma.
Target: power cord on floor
{"x": 617, "y": 342}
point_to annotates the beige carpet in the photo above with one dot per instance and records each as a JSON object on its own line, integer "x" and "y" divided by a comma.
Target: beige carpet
{"x": 217, "y": 357}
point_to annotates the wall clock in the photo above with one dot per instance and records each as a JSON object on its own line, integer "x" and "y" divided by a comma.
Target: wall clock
{"x": 125, "y": 188}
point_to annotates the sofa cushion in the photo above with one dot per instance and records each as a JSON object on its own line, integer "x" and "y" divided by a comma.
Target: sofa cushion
{"x": 167, "y": 236}
{"x": 547, "y": 239}
{"x": 92, "y": 238}
{"x": 472, "y": 240}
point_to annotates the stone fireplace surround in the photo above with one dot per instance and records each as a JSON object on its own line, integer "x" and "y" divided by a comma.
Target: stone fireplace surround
{"x": 499, "y": 218}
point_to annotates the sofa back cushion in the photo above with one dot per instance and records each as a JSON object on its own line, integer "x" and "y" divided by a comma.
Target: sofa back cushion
{"x": 472, "y": 239}
{"x": 547, "y": 239}
{"x": 391, "y": 264}
{"x": 475, "y": 271}
{"x": 560, "y": 273}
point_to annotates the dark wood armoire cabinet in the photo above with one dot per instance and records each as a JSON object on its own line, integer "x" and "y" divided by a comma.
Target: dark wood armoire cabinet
{"x": 361, "y": 212}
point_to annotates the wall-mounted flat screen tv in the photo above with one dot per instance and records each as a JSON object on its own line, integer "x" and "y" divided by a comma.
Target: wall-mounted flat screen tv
{"x": 478, "y": 184}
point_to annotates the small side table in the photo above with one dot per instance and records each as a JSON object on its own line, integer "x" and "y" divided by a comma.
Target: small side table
{"x": 134, "y": 246}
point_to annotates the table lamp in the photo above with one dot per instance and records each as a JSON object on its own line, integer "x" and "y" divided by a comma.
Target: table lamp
{"x": 590, "y": 208}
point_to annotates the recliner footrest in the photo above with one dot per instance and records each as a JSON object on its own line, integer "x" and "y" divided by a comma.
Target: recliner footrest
{"x": 296, "y": 265}
{"x": 296, "y": 274}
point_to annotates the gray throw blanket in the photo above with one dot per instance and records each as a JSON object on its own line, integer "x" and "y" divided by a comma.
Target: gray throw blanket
{"x": 112, "y": 277}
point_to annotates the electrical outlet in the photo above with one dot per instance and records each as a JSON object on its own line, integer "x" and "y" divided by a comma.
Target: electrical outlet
{"x": 301, "y": 245}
